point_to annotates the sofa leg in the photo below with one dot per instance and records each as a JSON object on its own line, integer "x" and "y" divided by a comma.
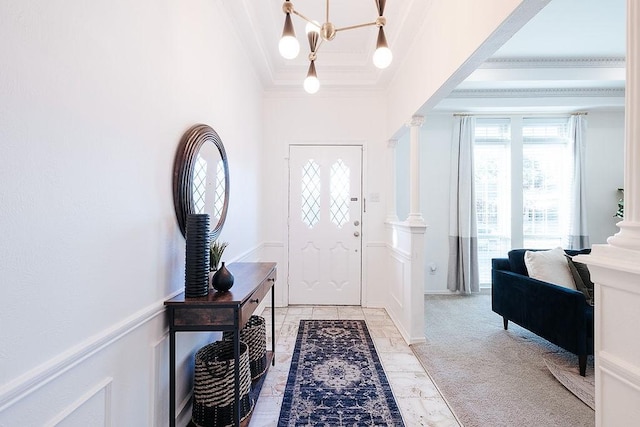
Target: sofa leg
{"x": 505, "y": 322}
{"x": 582, "y": 362}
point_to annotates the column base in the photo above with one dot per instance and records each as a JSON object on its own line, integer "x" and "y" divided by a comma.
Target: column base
{"x": 415, "y": 219}
{"x": 628, "y": 237}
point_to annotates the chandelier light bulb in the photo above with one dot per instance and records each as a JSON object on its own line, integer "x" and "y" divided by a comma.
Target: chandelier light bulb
{"x": 311, "y": 84}
{"x": 289, "y": 47}
{"x": 382, "y": 57}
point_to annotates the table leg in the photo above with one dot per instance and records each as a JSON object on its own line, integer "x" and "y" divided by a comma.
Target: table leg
{"x": 273, "y": 323}
{"x": 172, "y": 378}
{"x": 236, "y": 350}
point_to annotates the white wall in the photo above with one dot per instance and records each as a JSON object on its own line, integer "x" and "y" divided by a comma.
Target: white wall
{"x": 605, "y": 172}
{"x": 328, "y": 117}
{"x": 94, "y": 99}
{"x": 604, "y": 163}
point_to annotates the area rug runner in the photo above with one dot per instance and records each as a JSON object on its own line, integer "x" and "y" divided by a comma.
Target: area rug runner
{"x": 336, "y": 379}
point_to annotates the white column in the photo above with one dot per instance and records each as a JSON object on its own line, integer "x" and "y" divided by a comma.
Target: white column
{"x": 392, "y": 213}
{"x": 415, "y": 216}
{"x": 615, "y": 270}
{"x": 629, "y": 234}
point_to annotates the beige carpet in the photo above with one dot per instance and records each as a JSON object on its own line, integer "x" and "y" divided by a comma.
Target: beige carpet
{"x": 493, "y": 377}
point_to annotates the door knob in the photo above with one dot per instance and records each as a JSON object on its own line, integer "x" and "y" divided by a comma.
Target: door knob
{"x": 356, "y": 233}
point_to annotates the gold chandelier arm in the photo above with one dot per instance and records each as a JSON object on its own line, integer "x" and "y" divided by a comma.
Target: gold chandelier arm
{"x": 368, "y": 24}
{"x": 327, "y": 20}
{"x": 295, "y": 12}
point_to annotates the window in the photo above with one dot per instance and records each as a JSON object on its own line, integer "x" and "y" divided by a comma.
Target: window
{"x": 492, "y": 188}
{"x": 521, "y": 165}
{"x": 545, "y": 182}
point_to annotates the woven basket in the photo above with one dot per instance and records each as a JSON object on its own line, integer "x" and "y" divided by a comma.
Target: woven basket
{"x": 214, "y": 385}
{"x": 254, "y": 334}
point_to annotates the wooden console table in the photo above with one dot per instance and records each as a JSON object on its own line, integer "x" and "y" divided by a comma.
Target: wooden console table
{"x": 222, "y": 311}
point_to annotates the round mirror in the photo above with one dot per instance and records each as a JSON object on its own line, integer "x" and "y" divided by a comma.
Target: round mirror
{"x": 201, "y": 178}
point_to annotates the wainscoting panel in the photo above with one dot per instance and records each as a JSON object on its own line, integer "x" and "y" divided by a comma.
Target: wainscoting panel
{"x": 405, "y": 304}
{"x": 93, "y": 408}
{"x": 116, "y": 378}
{"x": 159, "y": 405}
{"x": 398, "y": 277}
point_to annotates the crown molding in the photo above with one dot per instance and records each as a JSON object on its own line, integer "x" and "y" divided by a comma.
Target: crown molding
{"x": 538, "y": 93}
{"x": 503, "y": 63}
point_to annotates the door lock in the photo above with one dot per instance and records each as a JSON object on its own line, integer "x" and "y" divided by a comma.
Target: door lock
{"x": 356, "y": 233}
{"x": 356, "y": 223}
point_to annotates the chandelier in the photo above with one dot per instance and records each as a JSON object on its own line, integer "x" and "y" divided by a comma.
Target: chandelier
{"x": 318, "y": 33}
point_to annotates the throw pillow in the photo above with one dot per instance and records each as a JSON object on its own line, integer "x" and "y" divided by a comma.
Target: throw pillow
{"x": 549, "y": 266}
{"x": 582, "y": 279}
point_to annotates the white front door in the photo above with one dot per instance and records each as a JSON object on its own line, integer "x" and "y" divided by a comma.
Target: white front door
{"x": 325, "y": 224}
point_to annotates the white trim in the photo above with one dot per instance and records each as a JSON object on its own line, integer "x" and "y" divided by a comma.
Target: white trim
{"x": 41, "y": 375}
{"x": 247, "y": 255}
{"x": 395, "y": 251}
{"x": 538, "y": 93}
{"x": 510, "y": 63}
{"x": 618, "y": 368}
{"x": 102, "y": 385}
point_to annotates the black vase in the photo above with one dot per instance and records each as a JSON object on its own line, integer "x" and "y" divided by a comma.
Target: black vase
{"x": 222, "y": 279}
{"x": 197, "y": 256}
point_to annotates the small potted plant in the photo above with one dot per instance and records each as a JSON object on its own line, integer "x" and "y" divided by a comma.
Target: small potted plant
{"x": 215, "y": 254}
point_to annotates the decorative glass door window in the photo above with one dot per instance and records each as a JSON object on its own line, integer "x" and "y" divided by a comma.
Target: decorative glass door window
{"x": 310, "y": 193}
{"x": 340, "y": 184}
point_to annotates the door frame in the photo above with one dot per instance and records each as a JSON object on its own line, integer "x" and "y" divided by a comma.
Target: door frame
{"x": 286, "y": 203}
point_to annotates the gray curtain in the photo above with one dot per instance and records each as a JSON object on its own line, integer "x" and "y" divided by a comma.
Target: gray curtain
{"x": 578, "y": 237}
{"x": 462, "y": 275}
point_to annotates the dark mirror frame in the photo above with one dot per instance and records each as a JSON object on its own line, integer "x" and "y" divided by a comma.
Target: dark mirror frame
{"x": 188, "y": 150}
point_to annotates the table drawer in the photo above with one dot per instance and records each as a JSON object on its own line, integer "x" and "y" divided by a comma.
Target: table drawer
{"x": 205, "y": 316}
{"x": 256, "y": 298}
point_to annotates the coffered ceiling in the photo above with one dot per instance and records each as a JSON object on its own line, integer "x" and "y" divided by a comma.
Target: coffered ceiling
{"x": 572, "y": 49}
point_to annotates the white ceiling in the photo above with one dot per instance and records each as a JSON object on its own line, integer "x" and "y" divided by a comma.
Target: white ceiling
{"x": 569, "y": 56}
{"x": 572, "y": 49}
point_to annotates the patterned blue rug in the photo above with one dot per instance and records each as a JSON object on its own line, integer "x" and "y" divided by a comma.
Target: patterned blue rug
{"x": 336, "y": 379}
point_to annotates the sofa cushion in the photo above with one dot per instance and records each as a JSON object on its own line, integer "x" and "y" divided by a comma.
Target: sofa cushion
{"x": 516, "y": 261}
{"x": 516, "y": 258}
{"x": 582, "y": 279}
{"x": 549, "y": 266}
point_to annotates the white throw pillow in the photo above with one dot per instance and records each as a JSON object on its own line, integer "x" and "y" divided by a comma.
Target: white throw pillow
{"x": 549, "y": 266}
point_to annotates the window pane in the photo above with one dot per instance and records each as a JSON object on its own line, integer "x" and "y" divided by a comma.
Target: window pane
{"x": 545, "y": 187}
{"x": 340, "y": 185}
{"x": 493, "y": 194}
{"x": 310, "y": 193}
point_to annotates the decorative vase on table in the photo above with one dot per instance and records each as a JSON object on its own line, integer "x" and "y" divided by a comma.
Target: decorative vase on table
{"x": 222, "y": 279}
{"x": 197, "y": 256}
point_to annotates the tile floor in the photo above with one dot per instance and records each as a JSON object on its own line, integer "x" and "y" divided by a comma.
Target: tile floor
{"x": 420, "y": 402}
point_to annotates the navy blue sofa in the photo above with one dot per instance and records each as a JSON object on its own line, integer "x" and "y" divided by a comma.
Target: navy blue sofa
{"x": 555, "y": 313}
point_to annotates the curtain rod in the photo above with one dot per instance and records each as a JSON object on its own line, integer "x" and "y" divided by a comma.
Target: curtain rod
{"x": 580, "y": 113}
